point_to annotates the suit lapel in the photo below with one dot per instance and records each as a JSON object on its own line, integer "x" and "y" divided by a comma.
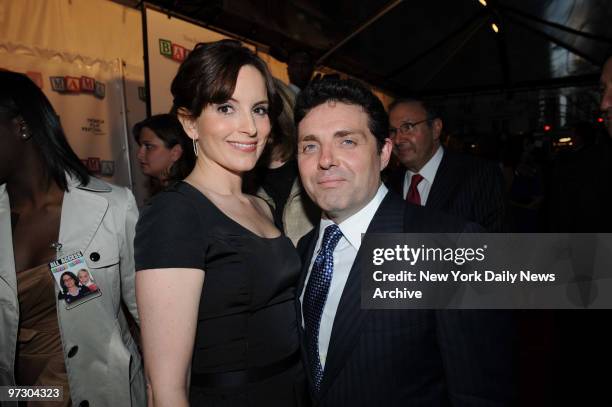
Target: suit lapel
{"x": 306, "y": 248}
{"x": 444, "y": 182}
{"x": 389, "y": 218}
{"x": 88, "y": 209}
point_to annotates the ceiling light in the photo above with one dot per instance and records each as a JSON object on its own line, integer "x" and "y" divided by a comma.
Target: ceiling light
{"x": 495, "y": 27}
{"x": 483, "y": 2}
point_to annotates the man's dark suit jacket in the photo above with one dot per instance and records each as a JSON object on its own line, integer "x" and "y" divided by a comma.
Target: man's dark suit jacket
{"x": 465, "y": 186}
{"x": 411, "y": 357}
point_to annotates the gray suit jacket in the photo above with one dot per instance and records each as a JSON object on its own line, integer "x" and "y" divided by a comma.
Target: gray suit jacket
{"x": 102, "y": 360}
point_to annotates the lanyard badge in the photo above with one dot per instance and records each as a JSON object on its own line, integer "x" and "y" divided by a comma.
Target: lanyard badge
{"x": 74, "y": 279}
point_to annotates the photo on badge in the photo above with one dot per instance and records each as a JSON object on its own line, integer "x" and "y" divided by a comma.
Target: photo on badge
{"x": 75, "y": 280}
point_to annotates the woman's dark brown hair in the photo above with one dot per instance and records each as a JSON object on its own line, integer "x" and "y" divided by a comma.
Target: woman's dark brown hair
{"x": 209, "y": 75}
{"x": 284, "y": 138}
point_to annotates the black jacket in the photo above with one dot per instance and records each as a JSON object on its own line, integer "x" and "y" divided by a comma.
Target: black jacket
{"x": 412, "y": 357}
{"x": 465, "y": 186}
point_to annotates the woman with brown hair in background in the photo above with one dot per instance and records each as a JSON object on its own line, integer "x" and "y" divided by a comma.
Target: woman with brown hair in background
{"x": 164, "y": 151}
{"x": 276, "y": 180}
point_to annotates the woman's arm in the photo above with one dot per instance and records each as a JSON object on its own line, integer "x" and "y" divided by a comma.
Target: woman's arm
{"x": 168, "y": 301}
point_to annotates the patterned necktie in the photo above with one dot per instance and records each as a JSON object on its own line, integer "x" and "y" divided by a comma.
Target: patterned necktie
{"x": 413, "y": 195}
{"x": 315, "y": 297}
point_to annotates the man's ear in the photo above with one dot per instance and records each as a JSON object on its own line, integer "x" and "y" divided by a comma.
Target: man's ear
{"x": 188, "y": 122}
{"x": 436, "y": 126}
{"x": 385, "y": 153}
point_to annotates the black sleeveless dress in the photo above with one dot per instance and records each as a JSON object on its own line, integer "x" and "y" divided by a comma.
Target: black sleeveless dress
{"x": 246, "y": 348}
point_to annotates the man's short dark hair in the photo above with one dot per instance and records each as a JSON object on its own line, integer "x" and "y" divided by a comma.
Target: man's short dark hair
{"x": 350, "y": 92}
{"x": 431, "y": 111}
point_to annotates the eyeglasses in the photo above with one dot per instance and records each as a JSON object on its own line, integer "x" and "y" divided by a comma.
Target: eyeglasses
{"x": 406, "y": 127}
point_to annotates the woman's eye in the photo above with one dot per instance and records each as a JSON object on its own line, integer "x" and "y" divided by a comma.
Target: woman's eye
{"x": 261, "y": 110}
{"x": 225, "y": 109}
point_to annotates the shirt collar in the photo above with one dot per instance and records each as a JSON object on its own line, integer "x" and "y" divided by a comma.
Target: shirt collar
{"x": 353, "y": 227}
{"x": 429, "y": 170}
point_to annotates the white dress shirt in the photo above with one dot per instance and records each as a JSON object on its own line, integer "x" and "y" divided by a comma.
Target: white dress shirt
{"x": 344, "y": 255}
{"x": 428, "y": 172}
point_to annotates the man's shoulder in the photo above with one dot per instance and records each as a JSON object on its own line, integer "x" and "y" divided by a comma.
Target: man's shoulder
{"x": 465, "y": 178}
{"x": 466, "y": 164}
{"x": 420, "y": 219}
{"x": 395, "y": 215}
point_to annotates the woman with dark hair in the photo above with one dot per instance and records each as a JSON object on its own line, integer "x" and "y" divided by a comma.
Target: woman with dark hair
{"x": 276, "y": 180}
{"x": 70, "y": 287}
{"x": 165, "y": 154}
{"x": 233, "y": 334}
{"x": 50, "y": 208}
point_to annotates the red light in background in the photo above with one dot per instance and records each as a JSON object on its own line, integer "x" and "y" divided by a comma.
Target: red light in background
{"x": 600, "y": 120}
{"x": 547, "y": 127}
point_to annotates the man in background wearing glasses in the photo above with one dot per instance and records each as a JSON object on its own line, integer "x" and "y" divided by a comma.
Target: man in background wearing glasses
{"x": 464, "y": 186}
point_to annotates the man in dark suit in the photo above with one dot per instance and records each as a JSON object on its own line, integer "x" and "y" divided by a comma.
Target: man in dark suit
{"x": 359, "y": 357}
{"x": 606, "y": 93}
{"x": 461, "y": 185}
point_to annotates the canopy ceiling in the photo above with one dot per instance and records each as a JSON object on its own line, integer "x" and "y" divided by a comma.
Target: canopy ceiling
{"x": 431, "y": 47}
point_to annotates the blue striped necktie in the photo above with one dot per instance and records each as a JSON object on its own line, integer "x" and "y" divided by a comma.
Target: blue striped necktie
{"x": 315, "y": 297}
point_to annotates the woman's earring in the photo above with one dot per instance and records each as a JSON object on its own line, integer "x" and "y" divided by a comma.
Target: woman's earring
{"x": 195, "y": 147}
{"x": 165, "y": 173}
{"x": 25, "y": 132}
